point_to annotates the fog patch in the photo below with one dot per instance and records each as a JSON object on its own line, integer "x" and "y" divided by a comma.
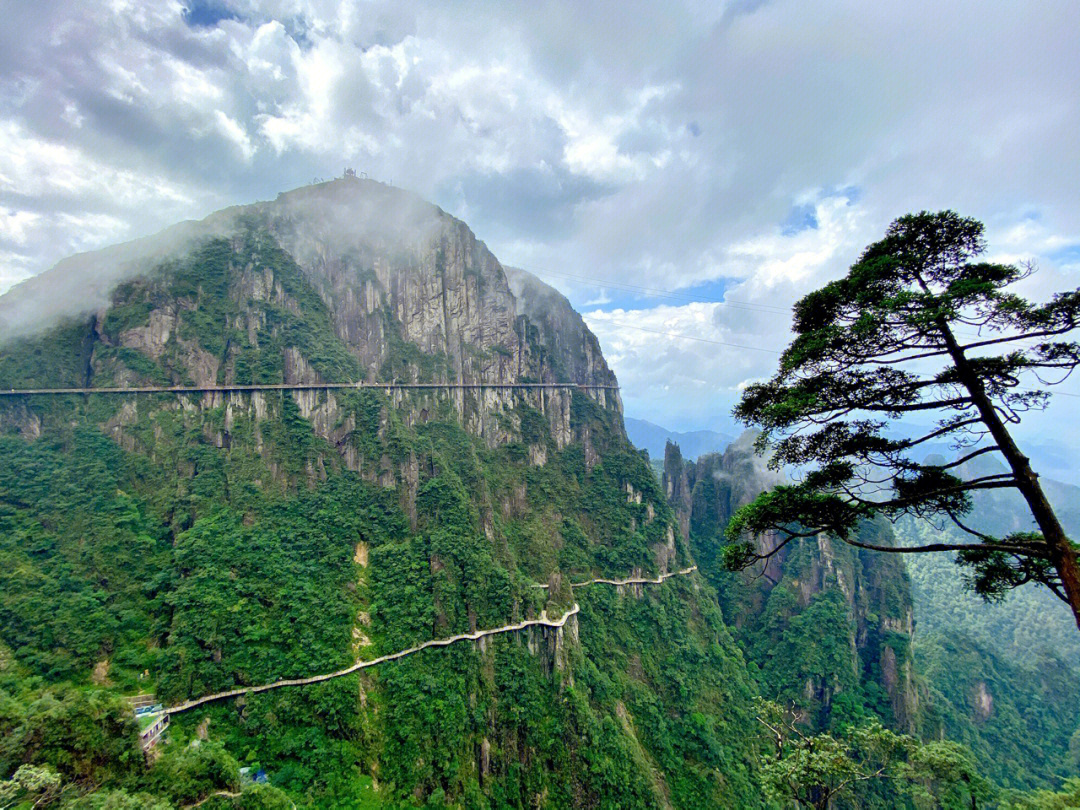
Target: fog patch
{"x": 336, "y": 218}
{"x": 82, "y": 284}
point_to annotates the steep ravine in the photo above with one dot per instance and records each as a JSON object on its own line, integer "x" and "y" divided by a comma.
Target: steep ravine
{"x": 830, "y": 626}
{"x": 831, "y": 630}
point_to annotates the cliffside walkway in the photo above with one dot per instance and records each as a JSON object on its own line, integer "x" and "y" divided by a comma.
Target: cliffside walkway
{"x": 325, "y": 386}
{"x": 628, "y": 581}
{"x": 543, "y": 621}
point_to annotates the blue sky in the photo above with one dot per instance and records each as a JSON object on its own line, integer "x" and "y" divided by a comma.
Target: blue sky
{"x": 678, "y": 169}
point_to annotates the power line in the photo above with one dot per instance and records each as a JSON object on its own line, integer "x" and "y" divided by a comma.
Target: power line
{"x": 324, "y": 386}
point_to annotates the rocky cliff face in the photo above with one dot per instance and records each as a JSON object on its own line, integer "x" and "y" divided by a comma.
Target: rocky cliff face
{"x": 815, "y": 598}
{"x": 409, "y": 292}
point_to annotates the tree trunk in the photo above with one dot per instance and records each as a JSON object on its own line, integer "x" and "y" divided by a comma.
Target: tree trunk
{"x": 1062, "y": 554}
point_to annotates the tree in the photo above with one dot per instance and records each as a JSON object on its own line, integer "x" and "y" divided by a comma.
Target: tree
{"x": 1067, "y": 799}
{"x": 918, "y": 327}
{"x": 31, "y": 786}
{"x": 87, "y": 736}
{"x": 813, "y": 769}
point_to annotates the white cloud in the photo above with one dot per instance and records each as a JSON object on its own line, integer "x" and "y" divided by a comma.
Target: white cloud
{"x": 775, "y": 258}
{"x": 17, "y": 226}
{"x": 235, "y": 133}
{"x": 33, "y": 166}
{"x": 693, "y": 358}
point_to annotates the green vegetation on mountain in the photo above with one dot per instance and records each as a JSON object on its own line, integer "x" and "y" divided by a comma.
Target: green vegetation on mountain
{"x": 181, "y": 545}
{"x": 184, "y": 545}
{"x": 829, "y": 629}
{"x": 1024, "y": 624}
{"x": 828, "y": 626}
{"x": 1022, "y": 721}
{"x": 864, "y": 765}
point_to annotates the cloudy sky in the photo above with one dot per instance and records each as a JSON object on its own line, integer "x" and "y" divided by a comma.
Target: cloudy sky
{"x": 682, "y": 171}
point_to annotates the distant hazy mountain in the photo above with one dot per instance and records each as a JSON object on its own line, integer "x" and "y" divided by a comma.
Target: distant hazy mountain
{"x": 648, "y": 436}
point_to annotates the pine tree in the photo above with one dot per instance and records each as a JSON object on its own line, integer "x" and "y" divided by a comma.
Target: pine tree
{"x": 918, "y": 326}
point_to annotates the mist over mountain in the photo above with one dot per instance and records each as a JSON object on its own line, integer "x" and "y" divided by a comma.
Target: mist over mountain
{"x": 323, "y": 493}
{"x": 186, "y": 545}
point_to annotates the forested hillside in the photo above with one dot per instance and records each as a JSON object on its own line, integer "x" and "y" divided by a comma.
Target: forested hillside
{"x": 828, "y": 627}
{"x": 1022, "y": 720}
{"x": 1003, "y": 677}
{"x": 846, "y": 635}
{"x": 1028, "y": 622}
{"x": 184, "y": 544}
{"x": 177, "y": 544}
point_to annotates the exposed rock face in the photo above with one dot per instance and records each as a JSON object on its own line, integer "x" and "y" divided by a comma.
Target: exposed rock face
{"x": 707, "y": 492}
{"x": 982, "y": 701}
{"x": 21, "y": 419}
{"x": 411, "y": 293}
{"x": 567, "y": 340}
{"x": 462, "y": 500}
{"x": 874, "y": 587}
{"x": 383, "y": 259}
{"x": 151, "y": 339}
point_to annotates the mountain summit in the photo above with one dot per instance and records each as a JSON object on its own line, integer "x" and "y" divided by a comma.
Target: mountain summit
{"x": 401, "y": 292}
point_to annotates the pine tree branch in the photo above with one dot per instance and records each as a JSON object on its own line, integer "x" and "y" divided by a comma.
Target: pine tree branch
{"x": 1012, "y": 338}
{"x": 1026, "y": 551}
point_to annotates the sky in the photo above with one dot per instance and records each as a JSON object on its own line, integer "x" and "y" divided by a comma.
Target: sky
{"x": 682, "y": 171}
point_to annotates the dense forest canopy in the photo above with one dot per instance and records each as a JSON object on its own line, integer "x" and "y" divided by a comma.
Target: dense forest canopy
{"x": 184, "y": 545}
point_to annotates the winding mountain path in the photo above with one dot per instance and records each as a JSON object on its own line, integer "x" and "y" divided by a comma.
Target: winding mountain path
{"x": 543, "y": 621}
{"x": 628, "y": 581}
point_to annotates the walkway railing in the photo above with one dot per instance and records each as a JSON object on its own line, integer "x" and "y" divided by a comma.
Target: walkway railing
{"x": 324, "y": 386}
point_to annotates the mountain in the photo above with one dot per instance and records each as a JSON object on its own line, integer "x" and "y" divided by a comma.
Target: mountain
{"x": 1028, "y": 622}
{"x": 386, "y": 543}
{"x": 182, "y": 544}
{"x": 1020, "y": 718}
{"x": 842, "y": 634}
{"x": 648, "y": 436}
{"x": 1050, "y": 458}
{"x": 829, "y": 626}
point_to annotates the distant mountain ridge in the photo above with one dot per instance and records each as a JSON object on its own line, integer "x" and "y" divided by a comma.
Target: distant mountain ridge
{"x": 1028, "y": 620}
{"x": 646, "y": 435}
